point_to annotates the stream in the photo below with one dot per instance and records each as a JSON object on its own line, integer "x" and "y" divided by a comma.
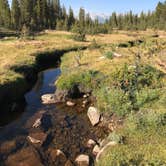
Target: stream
{"x": 62, "y": 128}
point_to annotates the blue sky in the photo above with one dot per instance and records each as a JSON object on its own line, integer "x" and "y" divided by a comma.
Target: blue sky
{"x": 108, "y": 6}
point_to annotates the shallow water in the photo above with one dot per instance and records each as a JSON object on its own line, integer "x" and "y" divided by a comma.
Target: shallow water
{"x": 67, "y": 128}
{"x": 44, "y": 84}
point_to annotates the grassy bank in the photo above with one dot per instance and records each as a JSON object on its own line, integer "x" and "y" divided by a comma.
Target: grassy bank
{"x": 128, "y": 81}
{"x": 22, "y": 60}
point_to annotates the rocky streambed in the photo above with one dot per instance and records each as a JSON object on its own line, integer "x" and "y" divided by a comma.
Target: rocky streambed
{"x": 63, "y": 134}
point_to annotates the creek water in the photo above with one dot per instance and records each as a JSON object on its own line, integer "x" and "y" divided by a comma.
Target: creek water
{"x": 68, "y": 127}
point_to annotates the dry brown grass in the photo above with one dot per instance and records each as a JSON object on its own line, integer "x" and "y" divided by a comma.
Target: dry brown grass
{"x": 18, "y": 52}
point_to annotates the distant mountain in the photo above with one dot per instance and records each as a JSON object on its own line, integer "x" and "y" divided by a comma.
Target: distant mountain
{"x": 101, "y": 17}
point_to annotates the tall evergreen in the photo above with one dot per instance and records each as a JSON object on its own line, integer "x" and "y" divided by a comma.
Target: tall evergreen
{"x": 15, "y": 14}
{"x": 71, "y": 19}
{"x": 5, "y": 16}
{"x": 82, "y": 17}
{"x": 26, "y": 12}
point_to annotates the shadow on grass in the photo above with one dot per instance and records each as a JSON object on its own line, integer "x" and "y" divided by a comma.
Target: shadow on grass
{"x": 12, "y": 93}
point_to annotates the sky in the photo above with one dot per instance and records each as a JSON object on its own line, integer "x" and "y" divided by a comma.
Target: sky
{"x": 109, "y": 6}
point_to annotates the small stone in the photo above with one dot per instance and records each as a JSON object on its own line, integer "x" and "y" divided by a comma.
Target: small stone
{"x": 37, "y": 138}
{"x": 37, "y": 123}
{"x": 111, "y": 127}
{"x": 117, "y": 55}
{"x": 83, "y": 105}
{"x": 82, "y": 160}
{"x": 91, "y": 143}
{"x": 85, "y": 102}
{"x": 33, "y": 140}
{"x": 57, "y": 156}
{"x": 70, "y": 104}
{"x": 102, "y": 57}
{"x": 94, "y": 115}
{"x": 85, "y": 96}
{"x": 96, "y": 150}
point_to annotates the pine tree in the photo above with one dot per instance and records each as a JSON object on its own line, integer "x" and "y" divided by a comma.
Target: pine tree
{"x": 26, "y": 11}
{"x": 71, "y": 19}
{"x": 15, "y": 14}
{"x": 82, "y": 17}
{"x": 5, "y": 17}
{"x": 113, "y": 20}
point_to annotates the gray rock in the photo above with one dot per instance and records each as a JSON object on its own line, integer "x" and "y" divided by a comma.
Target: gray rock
{"x": 48, "y": 99}
{"x": 60, "y": 95}
{"x": 94, "y": 115}
{"x": 82, "y": 160}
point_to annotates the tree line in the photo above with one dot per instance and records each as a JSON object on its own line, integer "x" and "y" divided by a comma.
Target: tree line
{"x": 37, "y": 15}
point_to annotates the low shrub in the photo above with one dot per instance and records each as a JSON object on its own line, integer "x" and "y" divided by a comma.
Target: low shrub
{"x": 89, "y": 79}
{"x": 145, "y": 96}
{"x": 125, "y": 155}
{"x": 94, "y": 45}
{"x": 113, "y": 100}
{"x": 109, "y": 55}
{"x": 146, "y": 120}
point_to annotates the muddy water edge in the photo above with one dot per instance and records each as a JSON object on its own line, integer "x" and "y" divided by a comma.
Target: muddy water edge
{"x": 62, "y": 128}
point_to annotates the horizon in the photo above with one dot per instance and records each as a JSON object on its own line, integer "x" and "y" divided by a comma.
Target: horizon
{"x": 106, "y": 7}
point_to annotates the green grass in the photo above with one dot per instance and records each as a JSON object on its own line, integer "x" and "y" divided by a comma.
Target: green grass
{"x": 142, "y": 105}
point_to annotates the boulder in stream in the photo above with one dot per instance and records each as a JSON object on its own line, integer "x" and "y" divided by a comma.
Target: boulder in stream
{"x": 82, "y": 160}
{"x": 25, "y": 157}
{"x": 48, "y": 99}
{"x": 94, "y": 115}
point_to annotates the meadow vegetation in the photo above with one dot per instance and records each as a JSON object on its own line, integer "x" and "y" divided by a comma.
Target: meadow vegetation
{"x": 131, "y": 87}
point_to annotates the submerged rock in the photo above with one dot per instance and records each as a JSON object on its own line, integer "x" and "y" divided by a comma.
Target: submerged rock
{"x": 33, "y": 140}
{"x": 37, "y": 138}
{"x": 82, "y": 160}
{"x": 60, "y": 95}
{"x": 68, "y": 163}
{"x": 91, "y": 143}
{"x": 24, "y": 157}
{"x": 7, "y": 147}
{"x": 94, "y": 115}
{"x": 70, "y": 104}
{"x": 37, "y": 123}
{"x": 56, "y": 157}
